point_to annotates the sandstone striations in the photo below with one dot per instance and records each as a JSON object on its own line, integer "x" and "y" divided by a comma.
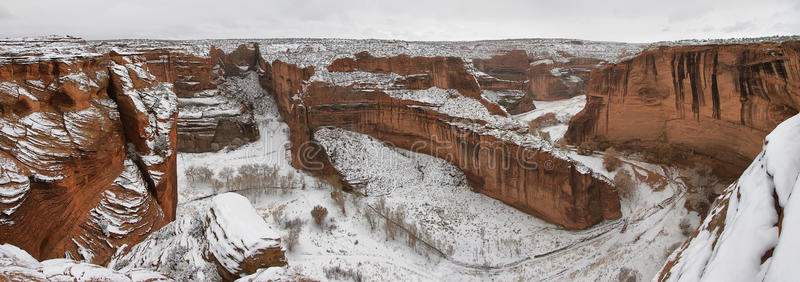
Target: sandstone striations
{"x": 541, "y": 79}
{"x": 88, "y": 155}
{"x": 419, "y": 73}
{"x": 499, "y": 166}
{"x": 718, "y": 101}
{"x": 210, "y": 117}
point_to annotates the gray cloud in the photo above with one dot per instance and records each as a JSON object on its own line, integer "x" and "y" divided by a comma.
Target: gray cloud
{"x": 617, "y": 20}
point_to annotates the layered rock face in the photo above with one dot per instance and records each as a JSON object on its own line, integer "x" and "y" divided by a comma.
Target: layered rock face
{"x": 18, "y": 265}
{"x": 419, "y": 73}
{"x": 525, "y": 176}
{"x": 225, "y": 242}
{"x": 718, "y": 101}
{"x": 532, "y": 79}
{"x": 210, "y": 118}
{"x": 87, "y": 148}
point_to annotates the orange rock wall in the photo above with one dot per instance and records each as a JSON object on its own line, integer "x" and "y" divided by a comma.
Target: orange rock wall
{"x": 63, "y": 149}
{"x": 554, "y": 192}
{"x": 719, "y": 101}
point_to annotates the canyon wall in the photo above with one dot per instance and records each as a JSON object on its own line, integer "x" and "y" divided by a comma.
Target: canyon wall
{"x": 210, "y": 117}
{"x": 87, "y": 150}
{"x": 717, "y": 101}
{"x": 539, "y": 79}
{"x": 531, "y": 179}
{"x": 420, "y": 73}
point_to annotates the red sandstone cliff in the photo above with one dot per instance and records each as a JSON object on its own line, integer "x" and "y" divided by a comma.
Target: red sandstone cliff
{"x": 717, "y": 101}
{"x": 554, "y": 191}
{"x": 210, "y": 115}
{"x": 87, "y": 148}
{"x": 539, "y": 79}
{"x": 420, "y": 73}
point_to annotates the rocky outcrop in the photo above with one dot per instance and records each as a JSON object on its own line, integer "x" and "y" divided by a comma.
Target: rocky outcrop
{"x": 227, "y": 241}
{"x": 18, "y": 265}
{"x": 87, "y": 148}
{"x": 533, "y": 79}
{"x": 717, "y": 101}
{"x": 211, "y": 117}
{"x": 419, "y": 73}
{"x": 527, "y": 177}
{"x": 751, "y": 233}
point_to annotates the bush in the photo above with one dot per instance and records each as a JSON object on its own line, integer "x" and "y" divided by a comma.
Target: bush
{"x": 624, "y": 183}
{"x": 628, "y": 275}
{"x": 371, "y": 220}
{"x": 685, "y": 227}
{"x": 610, "y": 160}
{"x": 587, "y": 148}
{"x": 338, "y": 273}
{"x": 199, "y": 174}
{"x": 292, "y": 238}
{"x": 338, "y": 196}
{"x": 548, "y": 119}
{"x": 319, "y": 213}
{"x": 161, "y": 145}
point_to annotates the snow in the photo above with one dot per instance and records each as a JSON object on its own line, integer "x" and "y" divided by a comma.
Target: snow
{"x": 17, "y": 265}
{"x": 743, "y": 224}
{"x": 236, "y": 232}
{"x": 484, "y": 233}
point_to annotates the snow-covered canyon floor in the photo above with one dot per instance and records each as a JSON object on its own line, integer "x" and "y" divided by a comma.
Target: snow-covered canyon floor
{"x": 457, "y": 234}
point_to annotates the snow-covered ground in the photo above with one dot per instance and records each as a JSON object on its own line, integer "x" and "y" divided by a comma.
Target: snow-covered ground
{"x": 460, "y": 234}
{"x": 563, "y": 109}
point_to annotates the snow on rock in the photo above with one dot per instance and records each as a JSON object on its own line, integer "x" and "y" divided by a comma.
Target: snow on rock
{"x": 14, "y": 186}
{"x": 751, "y": 233}
{"x": 227, "y": 241}
{"x": 18, "y": 265}
{"x": 239, "y": 238}
{"x": 149, "y": 109}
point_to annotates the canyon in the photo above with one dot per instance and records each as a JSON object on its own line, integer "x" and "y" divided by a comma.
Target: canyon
{"x": 715, "y": 101}
{"x": 97, "y": 136}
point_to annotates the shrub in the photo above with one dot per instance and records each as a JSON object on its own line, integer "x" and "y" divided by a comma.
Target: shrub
{"x": 292, "y": 238}
{"x": 161, "y": 145}
{"x": 548, "y": 119}
{"x": 338, "y": 196}
{"x": 628, "y": 275}
{"x": 226, "y": 174}
{"x": 338, "y": 273}
{"x": 702, "y": 187}
{"x": 370, "y": 219}
{"x": 562, "y": 144}
{"x": 624, "y": 183}
{"x": 319, "y": 213}
{"x": 610, "y": 160}
{"x": 587, "y": 148}
{"x": 278, "y": 216}
{"x": 293, "y": 223}
{"x": 685, "y": 227}
{"x": 199, "y": 174}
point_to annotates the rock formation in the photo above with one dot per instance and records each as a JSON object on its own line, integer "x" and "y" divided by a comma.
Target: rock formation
{"x": 717, "y": 101}
{"x": 557, "y": 190}
{"x": 540, "y": 79}
{"x": 419, "y": 73}
{"x": 210, "y": 117}
{"x": 227, "y": 241}
{"x": 87, "y": 148}
{"x": 751, "y": 233}
{"x": 18, "y": 265}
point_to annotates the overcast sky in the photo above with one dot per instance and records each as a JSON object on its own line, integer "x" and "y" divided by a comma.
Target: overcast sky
{"x": 620, "y": 20}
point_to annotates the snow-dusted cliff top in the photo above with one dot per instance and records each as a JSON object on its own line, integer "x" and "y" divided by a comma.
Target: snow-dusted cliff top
{"x": 753, "y": 231}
